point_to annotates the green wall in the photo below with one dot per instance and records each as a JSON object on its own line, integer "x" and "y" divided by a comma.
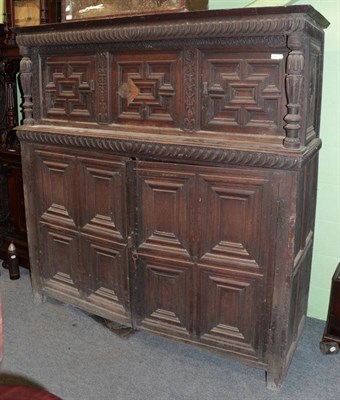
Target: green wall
{"x": 327, "y": 233}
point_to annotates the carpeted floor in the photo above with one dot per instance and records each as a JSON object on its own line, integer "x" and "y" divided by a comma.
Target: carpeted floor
{"x": 63, "y": 350}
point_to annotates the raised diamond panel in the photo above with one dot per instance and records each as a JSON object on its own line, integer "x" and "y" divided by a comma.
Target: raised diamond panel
{"x": 60, "y": 249}
{"x": 232, "y": 218}
{"x": 228, "y": 309}
{"x": 165, "y": 216}
{"x": 55, "y": 171}
{"x": 105, "y": 267}
{"x": 168, "y": 304}
{"x": 103, "y": 187}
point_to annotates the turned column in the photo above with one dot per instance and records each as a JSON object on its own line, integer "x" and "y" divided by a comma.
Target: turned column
{"x": 294, "y": 84}
{"x": 26, "y": 84}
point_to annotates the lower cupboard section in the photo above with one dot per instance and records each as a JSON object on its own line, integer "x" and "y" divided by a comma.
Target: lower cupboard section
{"x": 179, "y": 250}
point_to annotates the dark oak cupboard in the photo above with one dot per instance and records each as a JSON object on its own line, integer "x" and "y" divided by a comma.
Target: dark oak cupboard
{"x": 170, "y": 168}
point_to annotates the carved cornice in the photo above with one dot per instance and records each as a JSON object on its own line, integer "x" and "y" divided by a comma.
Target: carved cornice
{"x": 225, "y": 42}
{"x": 198, "y": 28}
{"x": 174, "y": 151}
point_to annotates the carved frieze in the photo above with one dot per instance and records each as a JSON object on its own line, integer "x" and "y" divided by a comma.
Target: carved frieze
{"x": 103, "y": 87}
{"x": 191, "y": 122}
{"x": 173, "y": 151}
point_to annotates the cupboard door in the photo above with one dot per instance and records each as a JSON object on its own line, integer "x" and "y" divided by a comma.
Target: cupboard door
{"x": 165, "y": 268}
{"x": 83, "y": 230}
{"x": 103, "y": 233}
{"x": 236, "y": 221}
{"x": 203, "y": 255}
{"x": 58, "y": 220}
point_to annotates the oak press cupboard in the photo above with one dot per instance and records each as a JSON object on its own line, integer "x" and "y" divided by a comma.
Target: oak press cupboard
{"x": 170, "y": 168}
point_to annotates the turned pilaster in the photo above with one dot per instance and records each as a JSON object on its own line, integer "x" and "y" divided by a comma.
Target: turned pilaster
{"x": 26, "y": 84}
{"x": 294, "y": 84}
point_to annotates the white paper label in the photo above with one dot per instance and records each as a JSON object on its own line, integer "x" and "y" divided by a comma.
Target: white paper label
{"x": 276, "y": 56}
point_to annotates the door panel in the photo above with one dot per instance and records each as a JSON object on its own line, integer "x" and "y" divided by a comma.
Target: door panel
{"x": 103, "y": 186}
{"x": 59, "y": 250}
{"x": 232, "y": 218}
{"x": 229, "y": 309}
{"x": 104, "y": 265}
{"x": 166, "y": 295}
{"x": 165, "y": 209}
{"x": 58, "y": 202}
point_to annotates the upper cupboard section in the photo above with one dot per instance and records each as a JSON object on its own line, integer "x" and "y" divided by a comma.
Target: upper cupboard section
{"x": 183, "y": 89}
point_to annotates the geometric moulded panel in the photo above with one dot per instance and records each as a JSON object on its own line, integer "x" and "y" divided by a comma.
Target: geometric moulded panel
{"x": 244, "y": 94}
{"x": 147, "y": 88}
{"x": 69, "y": 88}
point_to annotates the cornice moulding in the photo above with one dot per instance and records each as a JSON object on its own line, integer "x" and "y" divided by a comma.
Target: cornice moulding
{"x": 212, "y": 27}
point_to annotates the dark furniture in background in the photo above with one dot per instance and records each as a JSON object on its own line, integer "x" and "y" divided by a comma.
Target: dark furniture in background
{"x": 170, "y": 171}
{"x": 331, "y": 334}
{"x": 12, "y": 211}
